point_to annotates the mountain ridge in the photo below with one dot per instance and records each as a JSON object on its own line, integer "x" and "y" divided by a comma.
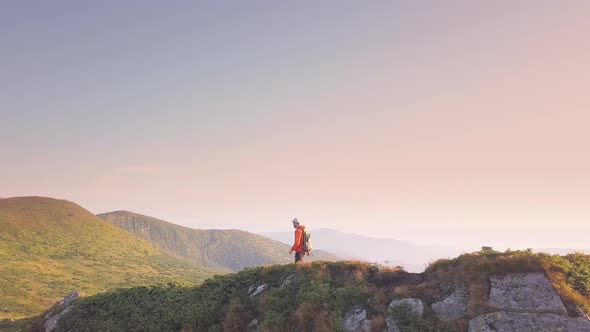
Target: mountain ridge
{"x": 228, "y": 248}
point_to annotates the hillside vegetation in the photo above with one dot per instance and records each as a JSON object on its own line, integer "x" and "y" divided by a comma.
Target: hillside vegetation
{"x": 233, "y": 249}
{"x": 49, "y": 247}
{"x": 316, "y": 296}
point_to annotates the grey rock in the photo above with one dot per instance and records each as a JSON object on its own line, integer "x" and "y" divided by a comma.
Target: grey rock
{"x": 530, "y": 292}
{"x": 253, "y": 323}
{"x": 356, "y": 320}
{"x": 453, "y": 306}
{"x": 53, "y": 316}
{"x": 391, "y": 325}
{"x": 415, "y": 305}
{"x": 259, "y": 290}
{"x": 51, "y": 323}
{"x": 503, "y": 321}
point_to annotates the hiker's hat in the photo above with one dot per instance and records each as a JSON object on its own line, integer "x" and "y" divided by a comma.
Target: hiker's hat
{"x": 295, "y": 221}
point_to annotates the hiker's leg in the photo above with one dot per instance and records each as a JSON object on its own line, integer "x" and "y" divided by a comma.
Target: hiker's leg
{"x": 297, "y": 257}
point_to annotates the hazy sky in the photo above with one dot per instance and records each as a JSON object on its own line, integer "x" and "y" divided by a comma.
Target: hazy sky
{"x": 420, "y": 120}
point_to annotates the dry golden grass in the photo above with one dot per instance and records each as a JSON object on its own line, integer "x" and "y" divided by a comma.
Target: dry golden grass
{"x": 573, "y": 300}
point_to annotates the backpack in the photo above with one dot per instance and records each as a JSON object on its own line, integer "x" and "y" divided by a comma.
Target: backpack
{"x": 306, "y": 244}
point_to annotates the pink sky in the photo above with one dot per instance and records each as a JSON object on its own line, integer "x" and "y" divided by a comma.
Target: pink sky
{"x": 401, "y": 121}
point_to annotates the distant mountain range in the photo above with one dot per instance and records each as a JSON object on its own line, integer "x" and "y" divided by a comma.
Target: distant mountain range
{"x": 386, "y": 251}
{"x": 390, "y": 251}
{"x": 232, "y": 249}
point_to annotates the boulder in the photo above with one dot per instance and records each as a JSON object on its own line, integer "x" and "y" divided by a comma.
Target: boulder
{"x": 453, "y": 306}
{"x": 255, "y": 291}
{"x": 530, "y": 292}
{"x": 415, "y": 305}
{"x": 356, "y": 320}
{"x": 503, "y": 321}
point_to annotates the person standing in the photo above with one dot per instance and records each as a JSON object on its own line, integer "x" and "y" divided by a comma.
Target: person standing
{"x": 299, "y": 233}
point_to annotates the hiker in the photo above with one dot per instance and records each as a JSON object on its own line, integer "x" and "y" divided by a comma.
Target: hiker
{"x": 299, "y": 238}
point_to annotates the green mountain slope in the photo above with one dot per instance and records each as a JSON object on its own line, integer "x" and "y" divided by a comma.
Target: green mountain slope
{"x": 234, "y": 249}
{"x": 49, "y": 247}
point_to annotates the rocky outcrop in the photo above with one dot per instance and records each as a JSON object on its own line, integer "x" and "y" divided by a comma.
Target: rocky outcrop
{"x": 53, "y": 315}
{"x": 526, "y": 292}
{"x": 415, "y": 305}
{"x": 528, "y": 303}
{"x": 503, "y": 321}
{"x": 453, "y": 306}
{"x": 356, "y": 321}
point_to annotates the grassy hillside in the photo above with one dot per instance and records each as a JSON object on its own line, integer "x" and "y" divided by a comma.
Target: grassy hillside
{"x": 315, "y": 296}
{"x": 234, "y": 249}
{"x": 49, "y": 247}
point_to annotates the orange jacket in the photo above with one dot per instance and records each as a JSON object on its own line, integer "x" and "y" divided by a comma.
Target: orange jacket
{"x": 298, "y": 239}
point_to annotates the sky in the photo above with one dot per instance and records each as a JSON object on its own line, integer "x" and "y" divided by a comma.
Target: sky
{"x": 463, "y": 122}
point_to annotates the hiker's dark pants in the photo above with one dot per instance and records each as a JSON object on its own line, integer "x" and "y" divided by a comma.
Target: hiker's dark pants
{"x": 299, "y": 256}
